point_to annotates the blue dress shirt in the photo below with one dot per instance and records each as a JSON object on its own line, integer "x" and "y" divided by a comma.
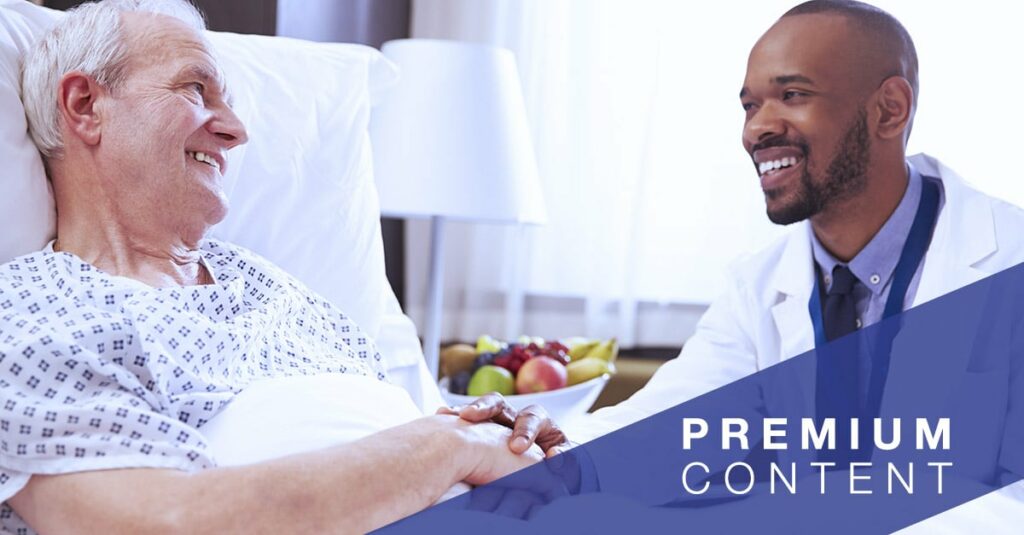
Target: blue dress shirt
{"x": 875, "y": 264}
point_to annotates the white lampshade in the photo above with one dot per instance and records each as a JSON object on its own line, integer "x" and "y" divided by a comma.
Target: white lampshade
{"x": 451, "y": 138}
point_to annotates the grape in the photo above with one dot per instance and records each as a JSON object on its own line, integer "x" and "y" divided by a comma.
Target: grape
{"x": 504, "y": 361}
{"x": 459, "y": 383}
{"x": 482, "y": 359}
{"x": 557, "y": 346}
{"x": 514, "y": 365}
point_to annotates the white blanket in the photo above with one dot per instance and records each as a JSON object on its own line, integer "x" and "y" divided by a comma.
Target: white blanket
{"x": 278, "y": 417}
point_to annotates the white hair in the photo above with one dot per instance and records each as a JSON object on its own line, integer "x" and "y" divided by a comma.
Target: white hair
{"x": 88, "y": 39}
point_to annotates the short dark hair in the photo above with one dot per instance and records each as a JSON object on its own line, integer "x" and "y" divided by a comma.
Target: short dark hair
{"x": 875, "y": 24}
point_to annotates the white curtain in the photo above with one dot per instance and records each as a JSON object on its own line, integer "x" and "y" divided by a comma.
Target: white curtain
{"x": 635, "y": 117}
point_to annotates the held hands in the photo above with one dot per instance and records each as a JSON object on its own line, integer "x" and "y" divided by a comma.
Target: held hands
{"x": 529, "y": 426}
{"x": 525, "y": 492}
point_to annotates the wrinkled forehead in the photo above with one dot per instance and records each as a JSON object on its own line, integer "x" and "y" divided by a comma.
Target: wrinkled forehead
{"x": 162, "y": 40}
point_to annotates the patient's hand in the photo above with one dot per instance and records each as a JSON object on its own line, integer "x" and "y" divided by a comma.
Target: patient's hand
{"x": 486, "y": 453}
{"x": 525, "y": 492}
{"x": 529, "y": 426}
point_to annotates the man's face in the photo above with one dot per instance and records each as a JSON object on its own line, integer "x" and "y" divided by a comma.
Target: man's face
{"x": 167, "y": 129}
{"x": 806, "y": 128}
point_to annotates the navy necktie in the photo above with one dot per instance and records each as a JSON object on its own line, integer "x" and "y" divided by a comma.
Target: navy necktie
{"x": 840, "y": 311}
{"x": 837, "y": 391}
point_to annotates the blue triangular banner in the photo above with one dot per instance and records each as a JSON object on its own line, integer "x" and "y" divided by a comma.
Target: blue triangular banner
{"x": 950, "y": 429}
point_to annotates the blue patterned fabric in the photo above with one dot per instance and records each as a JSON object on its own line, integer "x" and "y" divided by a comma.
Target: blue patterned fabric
{"x": 100, "y": 371}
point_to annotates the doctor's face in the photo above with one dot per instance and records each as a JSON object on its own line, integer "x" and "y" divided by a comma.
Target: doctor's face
{"x": 169, "y": 126}
{"x": 806, "y": 126}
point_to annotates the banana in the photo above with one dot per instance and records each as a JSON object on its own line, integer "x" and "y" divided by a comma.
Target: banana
{"x": 580, "y": 350}
{"x": 585, "y": 369}
{"x": 607, "y": 351}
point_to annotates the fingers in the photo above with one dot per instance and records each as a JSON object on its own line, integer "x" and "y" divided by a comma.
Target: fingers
{"x": 529, "y": 426}
{"x": 551, "y": 436}
{"x": 485, "y": 498}
{"x": 559, "y": 449}
{"x": 534, "y": 426}
{"x": 516, "y": 503}
{"x": 490, "y": 407}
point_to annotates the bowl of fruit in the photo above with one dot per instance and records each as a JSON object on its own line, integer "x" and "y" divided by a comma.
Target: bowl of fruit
{"x": 563, "y": 377}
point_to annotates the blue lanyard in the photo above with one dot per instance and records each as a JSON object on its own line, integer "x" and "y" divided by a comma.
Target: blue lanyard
{"x": 913, "y": 252}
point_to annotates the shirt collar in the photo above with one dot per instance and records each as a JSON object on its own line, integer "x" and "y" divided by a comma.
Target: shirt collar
{"x": 202, "y": 258}
{"x": 874, "y": 264}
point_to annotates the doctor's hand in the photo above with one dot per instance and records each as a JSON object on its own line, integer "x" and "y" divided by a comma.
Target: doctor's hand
{"x": 532, "y": 425}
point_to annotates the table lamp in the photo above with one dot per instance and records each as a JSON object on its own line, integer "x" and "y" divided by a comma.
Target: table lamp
{"x": 451, "y": 142}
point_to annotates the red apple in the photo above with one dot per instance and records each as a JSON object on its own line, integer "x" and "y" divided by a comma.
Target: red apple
{"x": 540, "y": 374}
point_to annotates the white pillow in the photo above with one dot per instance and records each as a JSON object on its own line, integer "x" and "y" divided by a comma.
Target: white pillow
{"x": 27, "y": 214}
{"x": 301, "y": 192}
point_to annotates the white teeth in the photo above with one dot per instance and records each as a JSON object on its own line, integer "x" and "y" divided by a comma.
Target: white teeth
{"x": 205, "y": 158}
{"x": 772, "y": 165}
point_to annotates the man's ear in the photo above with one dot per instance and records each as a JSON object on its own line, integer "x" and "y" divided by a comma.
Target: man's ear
{"x": 896, "y": 108}
{"x": 76, "y": 99}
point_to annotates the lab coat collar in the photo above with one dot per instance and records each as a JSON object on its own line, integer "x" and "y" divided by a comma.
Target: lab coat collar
{"x": 964, "y": 234}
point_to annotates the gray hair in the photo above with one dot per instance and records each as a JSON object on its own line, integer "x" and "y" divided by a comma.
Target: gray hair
{"x": 88, "y": 39}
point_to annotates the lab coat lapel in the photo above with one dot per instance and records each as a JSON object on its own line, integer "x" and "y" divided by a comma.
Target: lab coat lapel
{"x": 964, "y": 236}
{"x": 793, "y": 281}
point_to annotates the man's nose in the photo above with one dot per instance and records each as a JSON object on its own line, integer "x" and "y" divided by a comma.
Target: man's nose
{"x": 764, "y": 124}
{"x": 228, "y": 127}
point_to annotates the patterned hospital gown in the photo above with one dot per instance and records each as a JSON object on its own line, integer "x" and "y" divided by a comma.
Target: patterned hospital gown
{"x": 99, "y": 371}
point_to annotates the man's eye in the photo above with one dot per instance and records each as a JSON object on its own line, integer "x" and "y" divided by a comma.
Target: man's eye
{"x": 793, "y": 94}
{"x": 198, "y": 87}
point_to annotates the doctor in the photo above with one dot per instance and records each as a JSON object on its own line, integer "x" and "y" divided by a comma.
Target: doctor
{"x": 829, "y": 100}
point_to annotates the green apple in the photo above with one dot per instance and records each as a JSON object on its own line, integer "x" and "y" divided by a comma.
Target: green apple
{"x": 489, "y": 379}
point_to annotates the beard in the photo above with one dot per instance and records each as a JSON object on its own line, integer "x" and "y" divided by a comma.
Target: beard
{"x": 844, "y": 178}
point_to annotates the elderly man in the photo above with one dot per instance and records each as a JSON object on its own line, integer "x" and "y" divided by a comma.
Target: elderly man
{"x": 130, "y": 332}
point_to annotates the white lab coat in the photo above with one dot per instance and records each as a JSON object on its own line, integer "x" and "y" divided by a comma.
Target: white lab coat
{"x": 762, "y": 318}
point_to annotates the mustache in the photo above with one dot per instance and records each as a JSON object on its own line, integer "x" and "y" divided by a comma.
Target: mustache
{"x": 781, "y": 142}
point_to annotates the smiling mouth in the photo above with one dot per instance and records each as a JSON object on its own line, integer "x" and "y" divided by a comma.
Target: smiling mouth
{"x": 202, "y": 157}
{"x": 771, "y": 167}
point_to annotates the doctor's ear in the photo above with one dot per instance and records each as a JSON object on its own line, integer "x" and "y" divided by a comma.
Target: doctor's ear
{"x": 76, "y": 102}
{"x": 895, "y": 107}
